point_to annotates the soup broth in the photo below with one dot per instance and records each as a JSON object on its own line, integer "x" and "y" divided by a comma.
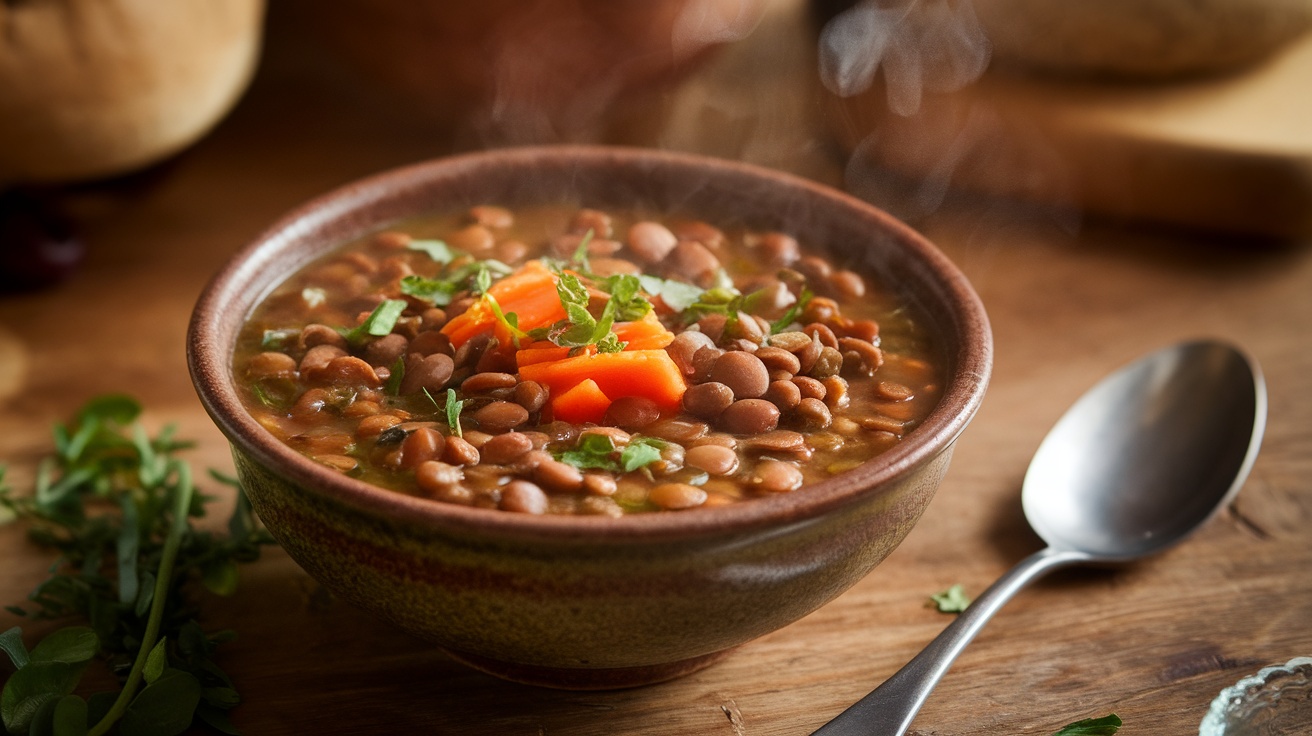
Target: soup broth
{"x": 574, "y": 361}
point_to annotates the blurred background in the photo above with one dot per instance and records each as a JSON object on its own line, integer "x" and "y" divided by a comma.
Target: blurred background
{"x": 1180, "y": 113}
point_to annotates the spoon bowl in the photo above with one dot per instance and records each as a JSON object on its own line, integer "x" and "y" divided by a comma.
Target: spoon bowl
{"x": 1149, "y": 454}
{"x": 1136, "y": 465}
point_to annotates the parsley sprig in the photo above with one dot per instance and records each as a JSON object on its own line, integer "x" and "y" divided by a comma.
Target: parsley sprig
{"x": 598, "y": 452}
{"x": 117, "y": 505}
{"x": 466, "y": 274}
{"x": 380, "y": 322}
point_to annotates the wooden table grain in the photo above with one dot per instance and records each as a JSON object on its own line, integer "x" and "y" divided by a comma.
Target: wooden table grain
{"x": 1069, "y": 301}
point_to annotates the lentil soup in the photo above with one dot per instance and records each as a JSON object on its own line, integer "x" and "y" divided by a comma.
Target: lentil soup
{"x": 574, "y": 361}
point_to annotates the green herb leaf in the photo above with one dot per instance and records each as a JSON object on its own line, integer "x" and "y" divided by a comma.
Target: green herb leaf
{"x": 164, "y": 707}
{"x": 640, "y": 452}
{"x": 129, "y": 546}
{"x": 33, "y": 687}
{"x": 581, "y": 252}
{"x": 71, "y": 645}
{"x": 611, "y": 343}
{"x": 482, "y": 280}
{"x": 70, "y": 717}
{"x": 677, "y": 295}
{"x": 157, "y": 662}
{"x": 278, "y": 339}
{"x": 434, "y": 291}
{"x": 1105, "y": 726}
{"x": 509, "y": 321}
{"x": 118, "y": 409}
{"x": 952, "y": 600}
{"x": 379, "y": 322}
{"x": 592, "y": 451}
{"x": 393, "y": 385}
{"x": 116, "y": 504}
{"x": 453, "y": 409}
{"x": 626, "y": 294}
{"x": 11, "y": 643}
{"x": 435, "y": 249}
{"x": 598, "y": 452}
{"x": 790, "y": 316}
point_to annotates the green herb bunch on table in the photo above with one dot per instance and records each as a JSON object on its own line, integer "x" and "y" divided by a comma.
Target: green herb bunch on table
{"x": 117, "y": 506}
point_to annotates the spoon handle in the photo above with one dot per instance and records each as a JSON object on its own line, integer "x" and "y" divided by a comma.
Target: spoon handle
{"x": 890, "y": 708}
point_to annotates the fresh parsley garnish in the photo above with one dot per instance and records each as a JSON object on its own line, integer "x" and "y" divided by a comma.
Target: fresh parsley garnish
{"x": 509, "y": 320}
{"x": 952, "y": 600}
{"x": 640, "y": 452}
{"x": 580, "y": 256}
{"x": 475, "y": 276}
{"x": 677, "y": 295}
{"x": 580, "y": 328}
{"x": 117, "y": 505}
{"x": 790, "y": 316}
{"x": 278, "y": 339}
{"x": 436, "y": 250}
{"x": 591, "y": 452}
{"x": 452, "y": 407}
{"x": 438, "y": 292}
{"x": 394, "y": 379}
{"x": 379, "y": 322}
{"x": 598, "y": 452}
{"x": 1105, "y": 726}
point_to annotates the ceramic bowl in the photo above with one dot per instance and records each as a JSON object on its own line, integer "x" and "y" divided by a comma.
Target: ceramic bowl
{"x": 589, "y": 602}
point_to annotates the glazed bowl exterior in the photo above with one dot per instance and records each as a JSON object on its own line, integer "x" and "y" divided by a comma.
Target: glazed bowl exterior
{"x": 576, "y": 601}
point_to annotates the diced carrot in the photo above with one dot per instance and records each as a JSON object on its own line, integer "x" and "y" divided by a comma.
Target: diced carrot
{"x": 648, "y": 373}
{"x": 585, "y": 402}
{"x": 644, "y": 334}
{"x": 530, "y": 293}
{"x": 552, "y": 353}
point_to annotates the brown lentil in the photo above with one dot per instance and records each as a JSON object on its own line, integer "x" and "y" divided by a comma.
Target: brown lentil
{"x": 744, "y": 374}
{"x": 673, "y": 496}
{"x": 777, "y": 476}
{"x": 714, "y": 459}
{"x": 500, "y": 416}
{"x": 460, "y": 452}
{"x": 749, "y": 416}
{"x": 813, "y": 415}
{"x": 707, "y": 400}
{"x": 632, "y": 412}
{"x": 505, "y": 448}
{"x": 523, "y": 497}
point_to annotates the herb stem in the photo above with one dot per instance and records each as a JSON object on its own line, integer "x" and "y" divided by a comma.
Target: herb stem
{"x": 181, "y": 506}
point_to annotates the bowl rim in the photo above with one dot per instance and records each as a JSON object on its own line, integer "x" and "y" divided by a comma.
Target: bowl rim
{"x": 209, "y": 365}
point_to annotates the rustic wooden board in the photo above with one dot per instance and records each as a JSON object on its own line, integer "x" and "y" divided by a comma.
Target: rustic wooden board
{"x": 1154, "y": 642}
{"x": 1232, "y": 152}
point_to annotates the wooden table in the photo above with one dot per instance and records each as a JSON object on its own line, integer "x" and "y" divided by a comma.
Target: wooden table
{"x": 1154, "y": 642}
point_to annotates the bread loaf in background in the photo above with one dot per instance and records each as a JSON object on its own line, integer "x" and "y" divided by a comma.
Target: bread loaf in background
{"x": 1140, "y": 39}
{"x": 94, "y": 88}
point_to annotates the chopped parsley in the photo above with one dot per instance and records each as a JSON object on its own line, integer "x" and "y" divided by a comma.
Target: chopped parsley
{"x": 1105, "y": 726}
{"x": 379, "y": 322}
{"x": 598, "y": 452}
{"x": 952, "y": 600}
{"x": 436, "y": 249}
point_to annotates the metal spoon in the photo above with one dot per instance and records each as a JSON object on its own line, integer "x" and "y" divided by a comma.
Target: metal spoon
{"x": 1136, "y": 465}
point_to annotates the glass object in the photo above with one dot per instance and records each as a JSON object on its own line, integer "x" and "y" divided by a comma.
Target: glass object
{"x": 1277, "y": 701}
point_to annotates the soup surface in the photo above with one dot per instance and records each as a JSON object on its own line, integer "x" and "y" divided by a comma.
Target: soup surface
{"x": 574, "y": 361}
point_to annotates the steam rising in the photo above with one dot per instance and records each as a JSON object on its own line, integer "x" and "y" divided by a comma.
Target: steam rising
{"x": 920, "y": 45}
{"x": 702, "y": 24}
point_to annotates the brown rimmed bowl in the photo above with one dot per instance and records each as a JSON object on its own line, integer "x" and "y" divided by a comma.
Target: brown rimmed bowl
{"x": 576, "y": 601}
